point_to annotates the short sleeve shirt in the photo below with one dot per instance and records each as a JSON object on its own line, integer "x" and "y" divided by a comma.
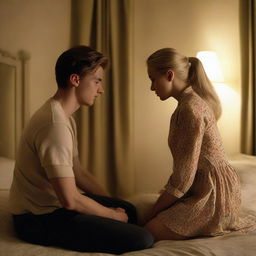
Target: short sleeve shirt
{"x": 47, "y": 148}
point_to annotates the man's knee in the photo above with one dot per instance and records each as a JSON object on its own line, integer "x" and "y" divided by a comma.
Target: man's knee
{"x": 144, "y": 240}
{"x": 139, "y": 240}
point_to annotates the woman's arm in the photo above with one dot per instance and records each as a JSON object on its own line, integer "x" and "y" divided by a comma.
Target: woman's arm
{"x": 164, "y": 201}
{"x": 71, "y": 199}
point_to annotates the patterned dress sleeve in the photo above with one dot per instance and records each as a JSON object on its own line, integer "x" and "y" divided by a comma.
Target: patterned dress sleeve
{"x": 185, "y": 140}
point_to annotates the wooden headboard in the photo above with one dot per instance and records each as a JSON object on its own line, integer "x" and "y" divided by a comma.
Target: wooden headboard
{"x": 12, "y": 101}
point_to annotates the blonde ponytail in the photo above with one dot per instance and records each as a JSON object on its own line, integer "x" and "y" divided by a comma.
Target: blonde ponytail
{"x": 190, "y": 70}
{"x": 201, "y": 84}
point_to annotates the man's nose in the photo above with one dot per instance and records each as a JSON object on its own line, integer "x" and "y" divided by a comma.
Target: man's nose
{"x": 101, "y": 90}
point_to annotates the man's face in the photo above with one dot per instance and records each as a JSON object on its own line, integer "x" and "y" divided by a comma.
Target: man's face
{"x": 90, "y": 87}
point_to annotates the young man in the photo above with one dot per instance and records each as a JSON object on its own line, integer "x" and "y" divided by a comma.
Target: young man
{"x": 45, "y": 202}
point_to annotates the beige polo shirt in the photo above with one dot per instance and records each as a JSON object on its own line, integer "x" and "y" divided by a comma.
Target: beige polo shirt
{"x": 47, "y": 148}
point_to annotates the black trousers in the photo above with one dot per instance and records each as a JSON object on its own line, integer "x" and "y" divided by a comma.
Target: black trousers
{"x": 85, "y": 233}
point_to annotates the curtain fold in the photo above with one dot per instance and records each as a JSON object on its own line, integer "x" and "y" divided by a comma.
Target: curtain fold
{"x": 105, "y": 130}
{"x": 248, "y": 54}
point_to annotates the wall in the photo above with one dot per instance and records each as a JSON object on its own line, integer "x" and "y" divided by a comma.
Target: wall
{"x": 42, "y": 28}
{"x": 189, "y": 26}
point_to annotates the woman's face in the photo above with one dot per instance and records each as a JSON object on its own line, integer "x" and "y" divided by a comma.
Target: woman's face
{"x": 161, "y": 84}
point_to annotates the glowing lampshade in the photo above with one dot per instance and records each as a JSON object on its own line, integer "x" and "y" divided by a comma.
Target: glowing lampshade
{"x": 211, "y": 65}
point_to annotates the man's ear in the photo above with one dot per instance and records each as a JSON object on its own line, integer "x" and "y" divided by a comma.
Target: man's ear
{"x": 74, "y": 80}
{"x": 170, "y": 75}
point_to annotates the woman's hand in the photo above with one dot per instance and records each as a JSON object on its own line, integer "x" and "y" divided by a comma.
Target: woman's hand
{"x": 147, "y": 216}
{"x": 164, "y": 201}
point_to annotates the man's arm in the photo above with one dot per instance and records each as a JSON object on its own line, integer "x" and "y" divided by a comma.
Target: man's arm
{"x": 86, "y": 181}
{"x": 71, "y": 199}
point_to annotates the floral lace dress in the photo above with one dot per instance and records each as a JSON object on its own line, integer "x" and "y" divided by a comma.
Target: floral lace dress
{"x": 207, "y": 187}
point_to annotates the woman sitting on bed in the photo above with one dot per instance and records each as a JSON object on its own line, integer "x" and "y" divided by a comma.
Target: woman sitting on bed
{"x": 202, "y": 196}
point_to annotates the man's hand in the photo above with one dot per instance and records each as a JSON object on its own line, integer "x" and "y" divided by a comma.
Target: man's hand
{"x": 119, "y": 214}
{"x": 71, "y": 199}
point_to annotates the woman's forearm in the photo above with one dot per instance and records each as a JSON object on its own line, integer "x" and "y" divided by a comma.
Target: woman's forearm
{"x": 164, "y": 201}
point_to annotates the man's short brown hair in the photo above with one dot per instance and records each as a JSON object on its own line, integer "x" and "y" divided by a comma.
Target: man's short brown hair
{"x": 77, "y": 60}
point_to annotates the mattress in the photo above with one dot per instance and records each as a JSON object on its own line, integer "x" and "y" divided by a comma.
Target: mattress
{"x": 233, "y": 244}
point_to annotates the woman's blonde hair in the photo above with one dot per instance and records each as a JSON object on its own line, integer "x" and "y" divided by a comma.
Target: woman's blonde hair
{"x": 188, "y": 69}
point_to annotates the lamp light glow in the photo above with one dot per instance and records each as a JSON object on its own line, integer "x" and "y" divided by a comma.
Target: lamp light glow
{"x": 211, "y": 65}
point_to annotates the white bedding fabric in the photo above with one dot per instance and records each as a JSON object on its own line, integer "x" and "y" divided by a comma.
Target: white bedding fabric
{"x": 234, "y": 244}
{"x": 6, "y": 172}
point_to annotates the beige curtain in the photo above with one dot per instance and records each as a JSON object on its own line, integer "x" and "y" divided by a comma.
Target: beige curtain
{"x": 248, "y": 47}
{"x": 105, "y": 130}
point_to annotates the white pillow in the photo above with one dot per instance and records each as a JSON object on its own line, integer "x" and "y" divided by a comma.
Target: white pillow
{"x": 6, "y": 172}
{"x": 245, "y": 166}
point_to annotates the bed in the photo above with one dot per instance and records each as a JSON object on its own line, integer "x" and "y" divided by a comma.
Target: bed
{"x": 233, "y": 244}
{"x": 12, "y": 97}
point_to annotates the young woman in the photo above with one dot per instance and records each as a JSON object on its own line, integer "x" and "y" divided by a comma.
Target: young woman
{"x": 202, "y": 196}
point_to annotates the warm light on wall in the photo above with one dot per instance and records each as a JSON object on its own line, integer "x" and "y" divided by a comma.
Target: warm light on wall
{"x": 230, "y": 100}
{"x": 211, "y": 65}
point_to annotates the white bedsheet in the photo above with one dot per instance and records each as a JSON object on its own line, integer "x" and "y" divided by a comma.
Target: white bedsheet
{"x": 234, "y": 244}
{"x": 6, "y": 172}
